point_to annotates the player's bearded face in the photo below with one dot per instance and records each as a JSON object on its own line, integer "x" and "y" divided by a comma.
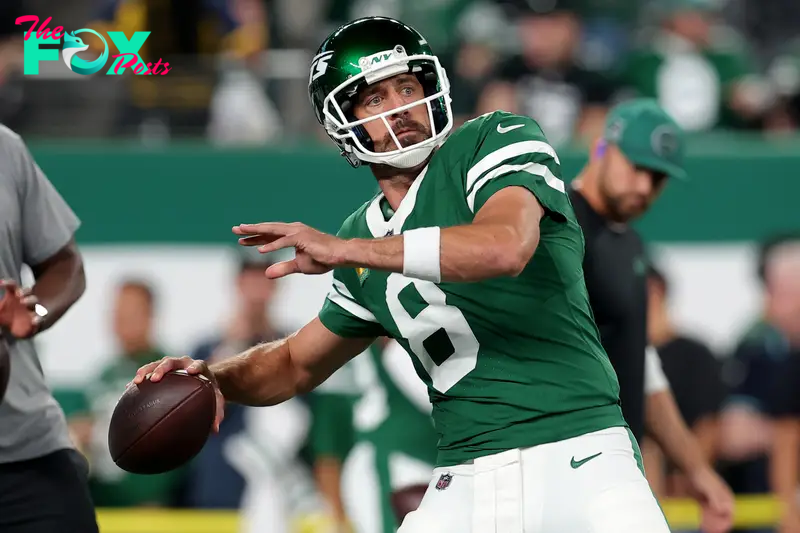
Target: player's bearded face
{"x": 628, "y": 191}
{"x": 411, "y": 126}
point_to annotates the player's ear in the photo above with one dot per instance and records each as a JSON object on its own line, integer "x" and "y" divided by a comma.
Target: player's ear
{"x": 599, "y": 149}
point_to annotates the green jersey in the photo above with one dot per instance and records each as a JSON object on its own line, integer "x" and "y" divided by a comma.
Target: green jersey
{"x": 509, "y": 362}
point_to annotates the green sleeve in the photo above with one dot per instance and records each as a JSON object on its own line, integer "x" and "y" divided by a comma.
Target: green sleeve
{"x": 513, "y": 151}
{"x": 343, "y": 313}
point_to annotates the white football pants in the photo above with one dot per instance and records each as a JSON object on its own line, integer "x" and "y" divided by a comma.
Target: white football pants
{"x": 587, "y": 484}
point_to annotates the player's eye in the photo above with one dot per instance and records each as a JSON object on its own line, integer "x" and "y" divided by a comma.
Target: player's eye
{"x": 374, "y": 101}
{"x": 407, "y": 90}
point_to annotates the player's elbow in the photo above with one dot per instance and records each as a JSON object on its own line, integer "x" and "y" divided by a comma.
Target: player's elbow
{"x": 514, "y": 256}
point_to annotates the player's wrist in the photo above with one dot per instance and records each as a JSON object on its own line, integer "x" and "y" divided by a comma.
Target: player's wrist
{"x": 352, "y": 253}
{"x": 422, "y": 254}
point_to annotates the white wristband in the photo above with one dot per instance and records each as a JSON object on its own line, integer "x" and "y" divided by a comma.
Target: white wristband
{"x": 421, "y": 254}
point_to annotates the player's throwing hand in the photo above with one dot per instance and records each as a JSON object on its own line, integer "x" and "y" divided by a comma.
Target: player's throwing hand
{"x": 155, "y": 371}
{"x": 315, "y": 252}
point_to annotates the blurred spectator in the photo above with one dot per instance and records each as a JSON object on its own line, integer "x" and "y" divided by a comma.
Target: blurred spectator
{"x": 701, "y": 72}
{"x": 751, "y": 373}
{"x": 11, "y": 61}
{"x": 695, "y": 378}
{"x": 213, "y": 482}
{"x": 784, "y": 73}
{"x": 192, "y": 36}
{"x": 470, "y": 71}
{"x": 546, "y": 80}
{"x": 134, "y": 316}
{"x": 482, "y": 38}
{"x": 784, "y": 312}
{"x": 767, "y": 25}
{"x": 333, "y": 436}
{"x": 372, "y": 436}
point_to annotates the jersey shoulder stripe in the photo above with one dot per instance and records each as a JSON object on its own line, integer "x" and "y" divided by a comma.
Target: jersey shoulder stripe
{"x": 502, "y": 149}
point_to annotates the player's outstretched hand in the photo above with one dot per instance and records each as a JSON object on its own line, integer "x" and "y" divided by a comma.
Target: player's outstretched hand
{"x": 315, "y": 252}
{"x": 157, "y": 369}
{"x": 716, "y": 501}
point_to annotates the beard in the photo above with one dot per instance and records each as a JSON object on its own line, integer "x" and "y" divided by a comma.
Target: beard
{"x": 419, "y": 133}
{"x": 622, "y": 207}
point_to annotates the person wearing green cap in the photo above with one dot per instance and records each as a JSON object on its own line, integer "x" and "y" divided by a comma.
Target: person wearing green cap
{"x": 641, "y": 149}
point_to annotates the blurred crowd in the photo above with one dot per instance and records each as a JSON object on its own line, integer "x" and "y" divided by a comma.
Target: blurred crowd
{"x": 314, "y": 458}
{"x": 240, "y": 67}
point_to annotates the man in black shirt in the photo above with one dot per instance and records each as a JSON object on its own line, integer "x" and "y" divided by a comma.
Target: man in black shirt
{"x": 694, "y": 375}
{"x": 783, "y": 312}
{"x": 641, "y": 147}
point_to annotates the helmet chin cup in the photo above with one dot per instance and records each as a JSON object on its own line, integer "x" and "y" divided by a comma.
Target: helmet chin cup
{"x": 415, "y": 155}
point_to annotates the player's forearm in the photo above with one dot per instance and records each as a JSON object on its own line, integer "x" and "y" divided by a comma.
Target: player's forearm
{"x": 60, "y": 282}
{"x": 467, "y": 253}
{"x": 667, "y": 427}
{"x": 263, "y": 375}
{"x": 784, "y": 462}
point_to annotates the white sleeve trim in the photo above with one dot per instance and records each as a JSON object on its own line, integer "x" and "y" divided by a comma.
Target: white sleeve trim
{"x": 654, "y": 378}
{"x": 536, "y": 169}
{"x": 342, "y": 297}
{"x": 493, "y": 159}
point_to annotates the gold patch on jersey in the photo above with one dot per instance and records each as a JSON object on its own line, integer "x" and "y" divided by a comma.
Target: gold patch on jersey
{"x": 362, "y": 274}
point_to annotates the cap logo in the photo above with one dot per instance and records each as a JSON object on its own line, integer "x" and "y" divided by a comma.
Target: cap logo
{"x": 665, "y": 142}
{"x": 614, "y": 131}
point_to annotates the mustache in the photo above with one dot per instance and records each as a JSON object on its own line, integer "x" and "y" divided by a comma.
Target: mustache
{"x": 405, "y": 124}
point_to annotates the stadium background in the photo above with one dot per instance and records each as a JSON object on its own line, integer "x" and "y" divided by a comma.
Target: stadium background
{"x": 159, "y": 168}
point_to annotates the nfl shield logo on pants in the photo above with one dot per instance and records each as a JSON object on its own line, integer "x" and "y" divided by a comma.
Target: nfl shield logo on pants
{"x": 444, "y": 481}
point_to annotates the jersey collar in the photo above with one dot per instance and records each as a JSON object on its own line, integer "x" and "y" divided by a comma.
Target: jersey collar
{"x": 379, "y": 226}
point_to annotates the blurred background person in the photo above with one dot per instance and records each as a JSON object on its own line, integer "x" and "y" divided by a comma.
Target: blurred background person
{"x": 751, "y": 373}
{"x": 690, "y": 51}
{"x": 374, "y": 439}
{"x": 231, "y": 102}
{"x": 783, "y": 273}
{"x": 43, "y": 479}
{"x": 134, "y": 321}
{"x": 213, "y": 481}
{"x": 695, "y": 378}
{"x": 547, "y": 80}
{"x": 11, "y": 62}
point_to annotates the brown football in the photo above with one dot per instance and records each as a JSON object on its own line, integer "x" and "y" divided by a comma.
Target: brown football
{"x": 407, "y": 500}
{"x": 158, "y": 427}
{"x": 5, "y": 367}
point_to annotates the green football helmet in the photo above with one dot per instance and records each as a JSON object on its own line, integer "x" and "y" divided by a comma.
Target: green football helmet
{"x": 363, "y": 52}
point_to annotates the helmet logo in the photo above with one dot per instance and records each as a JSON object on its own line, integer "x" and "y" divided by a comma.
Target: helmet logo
{"x": 319, "y": 64}
{"x": 384, "y": 64}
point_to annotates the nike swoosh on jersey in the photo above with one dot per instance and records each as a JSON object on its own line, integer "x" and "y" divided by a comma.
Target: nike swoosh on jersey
{"x": 577, "y": 464}
{"x": 501, "y": 129}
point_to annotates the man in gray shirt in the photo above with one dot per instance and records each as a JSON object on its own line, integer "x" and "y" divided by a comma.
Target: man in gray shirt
{"x": 43, "y": 480}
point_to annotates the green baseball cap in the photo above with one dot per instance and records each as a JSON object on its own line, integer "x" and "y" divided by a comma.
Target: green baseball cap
{"x": 648, "y": 136}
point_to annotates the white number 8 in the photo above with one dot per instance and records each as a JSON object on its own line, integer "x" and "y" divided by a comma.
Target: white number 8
{"x": 435, "y": 316}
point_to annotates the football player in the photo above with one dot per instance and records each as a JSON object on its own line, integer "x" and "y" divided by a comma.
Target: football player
{"x": 470, "y": 257}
